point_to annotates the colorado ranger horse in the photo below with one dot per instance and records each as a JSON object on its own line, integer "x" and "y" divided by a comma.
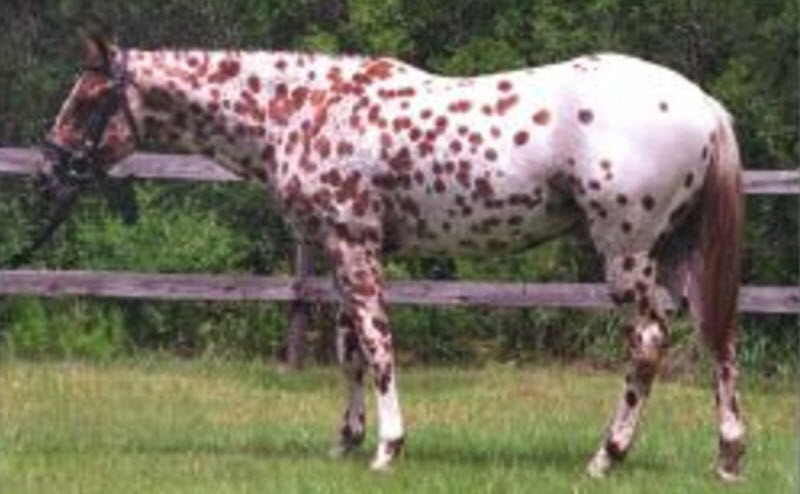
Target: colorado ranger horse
{"x": 369, "y": 154}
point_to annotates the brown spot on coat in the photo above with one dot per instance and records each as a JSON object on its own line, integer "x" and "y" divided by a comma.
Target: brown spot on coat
{"x": 504, "y": 104}
{"x": 401, "y": 161}
{"x": 226, "y": 69}
{"x": 379, "y": 69}
{"x": 628, "y": 263}
{"x": 614, "y": 451}
{"x": 254, "y": 83}
{"x": 483, "y": 189}
{"x": 585, "y": 116}
{"x": 344, "y": 148}
{"x": 401, "y": 123}
{"x": 475, "y": 139}
{"x": 381, "y": 324}
{"x": 323, "y": 146}
{"x": 541, "y": 117}
{"x": 460, "y": 106}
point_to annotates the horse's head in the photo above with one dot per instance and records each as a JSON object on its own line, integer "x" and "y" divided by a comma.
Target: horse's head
{"x": 95, "y": 127}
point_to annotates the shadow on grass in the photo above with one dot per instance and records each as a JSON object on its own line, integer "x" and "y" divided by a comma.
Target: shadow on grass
{"x": 568, "y": 459}
{"x": 546, "y": 456}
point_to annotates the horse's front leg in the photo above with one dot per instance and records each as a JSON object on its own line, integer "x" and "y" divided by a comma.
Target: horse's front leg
{"x": 351, "y": 359}
{"x": 359, "y": 278}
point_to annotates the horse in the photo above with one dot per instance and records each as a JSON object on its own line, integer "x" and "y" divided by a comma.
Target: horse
{"x": 370, "y": 155}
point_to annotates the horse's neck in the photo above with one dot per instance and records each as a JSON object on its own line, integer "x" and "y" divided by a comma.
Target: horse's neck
{"x": 223, "y": 104}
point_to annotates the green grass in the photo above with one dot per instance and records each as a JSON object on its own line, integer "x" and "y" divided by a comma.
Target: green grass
{"x": 162, "y": 425}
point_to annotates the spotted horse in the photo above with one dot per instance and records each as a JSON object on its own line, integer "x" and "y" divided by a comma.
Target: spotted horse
{"x": 371, "y": 155}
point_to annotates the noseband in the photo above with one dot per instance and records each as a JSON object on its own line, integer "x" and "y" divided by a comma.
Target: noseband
{"x": 78, "y": 167}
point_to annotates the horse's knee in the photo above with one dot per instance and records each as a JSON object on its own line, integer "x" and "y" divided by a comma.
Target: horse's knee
{"x": 348, "y": 349}
{"x": 382, "y": 374}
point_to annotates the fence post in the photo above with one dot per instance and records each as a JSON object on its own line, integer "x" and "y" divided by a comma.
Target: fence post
{"x": 293, "y": 351}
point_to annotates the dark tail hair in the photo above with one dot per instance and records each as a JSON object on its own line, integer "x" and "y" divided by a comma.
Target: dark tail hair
{"x": 721, "y": 215}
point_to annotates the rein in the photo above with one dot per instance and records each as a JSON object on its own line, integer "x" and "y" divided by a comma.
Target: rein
{"x": 79, "y": 169}
{"x": 61, "y": 213}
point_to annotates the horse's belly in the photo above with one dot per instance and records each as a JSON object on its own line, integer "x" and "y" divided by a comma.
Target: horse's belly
{"x": 501, "y": 224}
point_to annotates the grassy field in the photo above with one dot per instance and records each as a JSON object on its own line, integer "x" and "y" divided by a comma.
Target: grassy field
{"x": 161, "y": 425}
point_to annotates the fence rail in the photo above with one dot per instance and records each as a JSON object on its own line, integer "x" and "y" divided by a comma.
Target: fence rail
{"x": 21, "y": 161}
{"x": 304, "y": 289}
{"x": 761, "y": 299}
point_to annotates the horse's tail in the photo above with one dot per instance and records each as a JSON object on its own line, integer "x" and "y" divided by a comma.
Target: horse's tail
{"x": 713, "y": 264}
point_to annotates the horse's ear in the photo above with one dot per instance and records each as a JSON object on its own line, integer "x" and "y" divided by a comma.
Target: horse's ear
{"x": 95, "y": 51}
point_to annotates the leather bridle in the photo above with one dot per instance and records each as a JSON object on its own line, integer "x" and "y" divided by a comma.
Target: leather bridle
{"x": 81, "y": 166}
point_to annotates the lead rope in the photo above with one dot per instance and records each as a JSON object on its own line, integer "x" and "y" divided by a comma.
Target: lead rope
{"x": 120, "y": 198}
{"x": 63, "y": 209}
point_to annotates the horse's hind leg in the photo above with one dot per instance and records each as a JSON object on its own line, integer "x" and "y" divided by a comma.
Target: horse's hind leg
{"x": 731, "y": 425}
{"x": 351, "y": 359}
{"x": 632, "y": 283}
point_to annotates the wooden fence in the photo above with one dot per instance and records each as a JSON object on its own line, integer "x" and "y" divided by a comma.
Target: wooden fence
{"x": 304, "y": 289}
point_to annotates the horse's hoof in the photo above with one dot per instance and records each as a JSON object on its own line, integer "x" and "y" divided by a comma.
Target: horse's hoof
{"x": 727, "y": 476}
{"x": 386, "y": 453}
{"x": 342, "y": 449}
{"x": 380, "y": 466}
{"x": 730, "y": 453}
{"x": 600, "y": 465}
{"x": 337, "y": 452}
